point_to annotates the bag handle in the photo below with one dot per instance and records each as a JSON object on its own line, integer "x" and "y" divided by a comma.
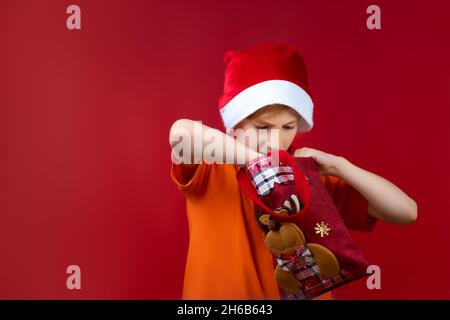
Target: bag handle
{"x": 244, "y": 180}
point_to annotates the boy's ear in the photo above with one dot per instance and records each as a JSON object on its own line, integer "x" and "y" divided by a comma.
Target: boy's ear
{"x": 264, "y": 219}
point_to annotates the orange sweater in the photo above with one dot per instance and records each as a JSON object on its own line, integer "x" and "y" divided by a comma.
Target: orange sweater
{"x": 227, "y": 258}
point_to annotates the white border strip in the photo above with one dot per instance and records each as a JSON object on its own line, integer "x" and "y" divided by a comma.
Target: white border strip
{"x": 266, "y": 93}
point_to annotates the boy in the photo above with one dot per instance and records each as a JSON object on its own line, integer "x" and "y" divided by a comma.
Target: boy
{"x": 266, "y": 97}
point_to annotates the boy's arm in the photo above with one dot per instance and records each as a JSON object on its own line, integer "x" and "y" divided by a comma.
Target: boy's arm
{"x": 386, "y": 201}
{"x": 192, "y": 142}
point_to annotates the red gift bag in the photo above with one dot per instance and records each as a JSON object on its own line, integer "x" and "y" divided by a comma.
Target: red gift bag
{"x": 313, "y": 250}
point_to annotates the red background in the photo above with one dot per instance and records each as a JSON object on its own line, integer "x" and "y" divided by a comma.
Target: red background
{"x": 85, "y": 116}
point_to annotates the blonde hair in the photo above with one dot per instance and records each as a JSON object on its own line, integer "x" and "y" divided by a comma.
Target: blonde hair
{"x": 275, "y": 108}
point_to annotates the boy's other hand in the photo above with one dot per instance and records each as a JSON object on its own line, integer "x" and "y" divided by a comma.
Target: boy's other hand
{"x": 327, "y": 163}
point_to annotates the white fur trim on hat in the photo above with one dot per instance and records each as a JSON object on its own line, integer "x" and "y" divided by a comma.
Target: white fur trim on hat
{"x": 265, "y": 93}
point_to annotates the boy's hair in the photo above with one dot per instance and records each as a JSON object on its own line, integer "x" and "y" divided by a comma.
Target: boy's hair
{"x": 276, "y": 108}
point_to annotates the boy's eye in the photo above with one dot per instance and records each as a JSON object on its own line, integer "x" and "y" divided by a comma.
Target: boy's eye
{"x": 262, "y": 127}
{"x": 289, "y": 127}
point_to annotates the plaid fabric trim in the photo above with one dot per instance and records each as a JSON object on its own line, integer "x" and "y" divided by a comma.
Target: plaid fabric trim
{"x": 264, "y": 175}
{"x": 301, "y": 262}
{"x": 257, "y": 164}
{"x": 305, "y": 270}
{"x": 315, "y": 286}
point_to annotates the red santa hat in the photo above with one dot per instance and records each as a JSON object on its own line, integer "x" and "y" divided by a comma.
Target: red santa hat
{"x": 263, "y": 75}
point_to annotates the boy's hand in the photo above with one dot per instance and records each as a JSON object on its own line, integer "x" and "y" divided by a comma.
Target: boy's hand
{"x": 386, "y": 201}
{"x": 327, "y": 163}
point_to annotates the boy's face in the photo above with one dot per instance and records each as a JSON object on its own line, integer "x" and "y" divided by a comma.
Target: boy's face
{"x": 273, "y": 130}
